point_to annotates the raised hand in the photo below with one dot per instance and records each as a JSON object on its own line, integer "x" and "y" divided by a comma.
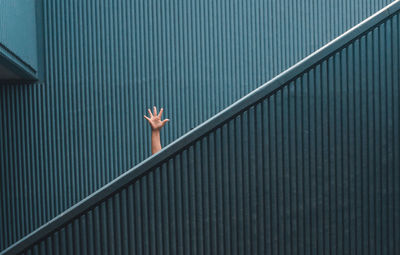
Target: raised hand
{"x": 156, "y": 124}
{"x": 154, "y": 119}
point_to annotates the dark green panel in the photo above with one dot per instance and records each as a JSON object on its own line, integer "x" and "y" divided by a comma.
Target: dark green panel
{"x": 107, "y": 61}
{"x": 308, "y": 163}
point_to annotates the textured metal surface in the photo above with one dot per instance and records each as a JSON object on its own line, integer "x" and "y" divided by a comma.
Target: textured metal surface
{"x": 18, "y": 35}
{"x": 312, "y": 168}
{"x": 107, "y": 61}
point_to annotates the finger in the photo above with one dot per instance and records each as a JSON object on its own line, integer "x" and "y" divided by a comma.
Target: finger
{"x": 154, "y": 111}
{"x": 160, "y": 113}
{"x": 164, "y": 122}
{"x": 147, "y": 118}
{"x": 151, "y": 115}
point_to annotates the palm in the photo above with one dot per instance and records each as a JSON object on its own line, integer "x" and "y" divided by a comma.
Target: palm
{"x": 156, "y": 123}
{"x": 154, "y": 119}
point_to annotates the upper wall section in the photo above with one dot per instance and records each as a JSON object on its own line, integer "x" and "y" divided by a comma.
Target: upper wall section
{"x": 18, "y": 41}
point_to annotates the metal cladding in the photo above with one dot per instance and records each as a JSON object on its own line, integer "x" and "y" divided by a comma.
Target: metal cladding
{"x": 306, "y": 164}
{"x": 108, "y": 61}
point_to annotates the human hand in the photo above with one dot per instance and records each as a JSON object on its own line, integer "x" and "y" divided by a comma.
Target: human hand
{"x": 154, "y": 119}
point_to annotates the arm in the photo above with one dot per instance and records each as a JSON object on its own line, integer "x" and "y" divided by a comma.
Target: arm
{"x": 156, "y": 124}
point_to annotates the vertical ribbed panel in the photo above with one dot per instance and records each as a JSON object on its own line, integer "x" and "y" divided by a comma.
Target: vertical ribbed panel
{"x": 311, "y": 169}
{"x": 107, "y": 61}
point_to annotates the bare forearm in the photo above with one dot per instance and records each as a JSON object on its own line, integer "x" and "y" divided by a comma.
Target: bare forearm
{"x": 156, "y": 124}
{"x": 155, "y": 141}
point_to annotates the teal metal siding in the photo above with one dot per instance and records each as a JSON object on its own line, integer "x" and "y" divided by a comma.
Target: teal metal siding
{"x": 107, "y": 61}
{"x": 18, "y": 42}
{"x": 306, "y": 164}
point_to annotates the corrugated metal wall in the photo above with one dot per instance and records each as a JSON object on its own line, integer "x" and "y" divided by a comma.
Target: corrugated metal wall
{"x": 311, "y": 169}
{"x": 107, "y": 61}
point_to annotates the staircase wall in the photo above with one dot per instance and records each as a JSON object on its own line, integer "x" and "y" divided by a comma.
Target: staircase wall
{"x": 107, "y": 61}
{"x": 306, "y": 164}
